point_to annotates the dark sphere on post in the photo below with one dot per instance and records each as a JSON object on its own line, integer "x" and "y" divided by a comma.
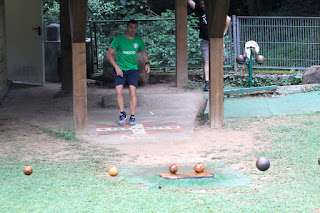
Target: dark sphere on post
{"x": 263, "y": 164}
{"x": 260, "y": 59}
{"x": 240, "y": 59}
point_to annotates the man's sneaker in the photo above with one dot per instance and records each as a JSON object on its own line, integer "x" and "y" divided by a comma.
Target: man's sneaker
{"x": 132, "y": 120}
{"x": 122, "y": 118}
{"x": 206, "y": 86}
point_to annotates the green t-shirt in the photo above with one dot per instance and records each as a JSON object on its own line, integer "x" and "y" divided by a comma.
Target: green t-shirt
{"x": 127, "y": 51}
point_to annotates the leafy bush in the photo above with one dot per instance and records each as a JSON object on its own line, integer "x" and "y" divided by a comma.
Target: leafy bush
{"x": 51, "y": 11}
{"x": 262, "y": 80}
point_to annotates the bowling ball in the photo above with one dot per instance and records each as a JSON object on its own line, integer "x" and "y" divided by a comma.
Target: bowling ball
{"x": 199, "y": 167}
{"x": 240, "y": 59}
{"x": 263, "y": 164}
{"x": 113, "y": 171}
{"x": 27, "y": 170}
{"x": 260, "y": 59}
{"x": 173, "y": 168}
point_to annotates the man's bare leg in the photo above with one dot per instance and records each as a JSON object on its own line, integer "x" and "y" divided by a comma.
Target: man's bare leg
{"x": 206, "y": 75}
{"x": 206, "y": 70}
{"x": 119, "y": 89}
{"x": 123, "y": 116}
{"x": 133, "y": 104}
{"x": 133, "y": 99}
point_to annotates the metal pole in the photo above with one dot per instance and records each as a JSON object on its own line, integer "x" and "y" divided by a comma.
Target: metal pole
{"x": 250, "y": 69}
{"x": 234, "y": 31}
{"x": 96, "y": 45}
{"x": 91, "y": 48}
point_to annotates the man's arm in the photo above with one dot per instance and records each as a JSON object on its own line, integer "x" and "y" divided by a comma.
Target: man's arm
{"x": 228, "y": 20}
{"x": 146, "y": 59}
{"x": 192, "y": 4}
{"x": 113, "y": 62}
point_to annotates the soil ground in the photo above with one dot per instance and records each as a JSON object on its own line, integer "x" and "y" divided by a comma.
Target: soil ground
{"x": 27, "y": 111}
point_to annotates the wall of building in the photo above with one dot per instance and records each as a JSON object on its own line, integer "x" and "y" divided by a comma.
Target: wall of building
{"x": 3, "y": 64}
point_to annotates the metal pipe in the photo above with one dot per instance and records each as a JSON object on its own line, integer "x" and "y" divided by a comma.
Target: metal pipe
{"x": 234, "y": 31}
{"x": 95, "y": 43}
{"x": 250, "y": 69}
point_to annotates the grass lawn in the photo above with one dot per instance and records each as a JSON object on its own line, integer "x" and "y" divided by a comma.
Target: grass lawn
{"x": 292, "y": 184}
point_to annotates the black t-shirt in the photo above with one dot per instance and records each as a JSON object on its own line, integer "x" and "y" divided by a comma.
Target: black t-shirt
{"x": 203, "y": 22}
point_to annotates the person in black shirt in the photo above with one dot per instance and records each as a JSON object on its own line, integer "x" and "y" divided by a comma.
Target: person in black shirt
{"x": 199, "y": 9}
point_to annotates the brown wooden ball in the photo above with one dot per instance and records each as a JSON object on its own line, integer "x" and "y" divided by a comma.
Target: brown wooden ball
{"x": 318, "y": 160}
{"x": 199, "y": 167}
{"x": 240, "y": 59}
{"x": 260, "y": 59}
{"x": 173, "y": 169}
{"x": 27, "y": 170}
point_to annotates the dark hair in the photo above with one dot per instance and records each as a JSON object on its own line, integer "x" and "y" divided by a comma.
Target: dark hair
{"x": 132, "y": 22}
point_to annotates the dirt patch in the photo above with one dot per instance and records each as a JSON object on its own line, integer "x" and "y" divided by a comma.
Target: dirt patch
{"x": 27, "y": 111}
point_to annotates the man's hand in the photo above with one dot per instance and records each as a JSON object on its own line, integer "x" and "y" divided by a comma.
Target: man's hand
{"x": 119, "y": 71}
{"x": 147, "y": 68}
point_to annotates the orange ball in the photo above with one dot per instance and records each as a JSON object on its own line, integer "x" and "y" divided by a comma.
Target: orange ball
{"x": 173, "y": 168}
{"x": 199, "y": 167}
{"x": 27, "y": 170}
{"x": 113, "y": 171}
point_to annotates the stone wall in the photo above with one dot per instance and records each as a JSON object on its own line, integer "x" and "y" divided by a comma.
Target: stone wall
{"x": 3, "y": 64}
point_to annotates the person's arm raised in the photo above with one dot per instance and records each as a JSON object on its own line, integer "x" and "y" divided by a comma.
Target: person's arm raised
{"x": 192, "y": 4}
{"x": 228, "y": 20}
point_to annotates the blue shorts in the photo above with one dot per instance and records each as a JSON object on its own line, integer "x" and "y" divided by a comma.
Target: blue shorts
{"x": 130, "y": 76}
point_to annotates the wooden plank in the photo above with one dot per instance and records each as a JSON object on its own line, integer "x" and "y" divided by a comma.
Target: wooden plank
{"x": 217, "y": 11}
{"x": 186, "y": 175}
{"x": 66, "y": 48}
{"x": 79, "y": 87}
{"x": 181, "y": 43}
{"x": 216, "y": 82}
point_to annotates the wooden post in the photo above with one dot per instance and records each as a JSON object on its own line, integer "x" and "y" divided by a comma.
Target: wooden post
{"x": 181, "y": 43}
{"x": 66, "y": 48}
{"x": 78, "y": 23}
{"x": 216, "y": 82}
{"x": 217, "y": 11}
{"x": 79, "y": 87}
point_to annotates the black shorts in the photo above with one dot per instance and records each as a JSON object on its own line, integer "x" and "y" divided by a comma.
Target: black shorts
{"x": 130, "y": 76}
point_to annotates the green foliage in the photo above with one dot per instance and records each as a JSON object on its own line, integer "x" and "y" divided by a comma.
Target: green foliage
{"x": 51, "y": 11}
{"x": 311, "y": 89}
{"x": 99, "y": 10}
{"x": 67, "y": 135}
{"x": 159, "y": 37}
{"x": 262, "y": 80}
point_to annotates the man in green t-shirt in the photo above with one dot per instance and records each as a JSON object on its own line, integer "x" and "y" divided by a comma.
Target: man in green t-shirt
{"x": 126, "y": 67}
